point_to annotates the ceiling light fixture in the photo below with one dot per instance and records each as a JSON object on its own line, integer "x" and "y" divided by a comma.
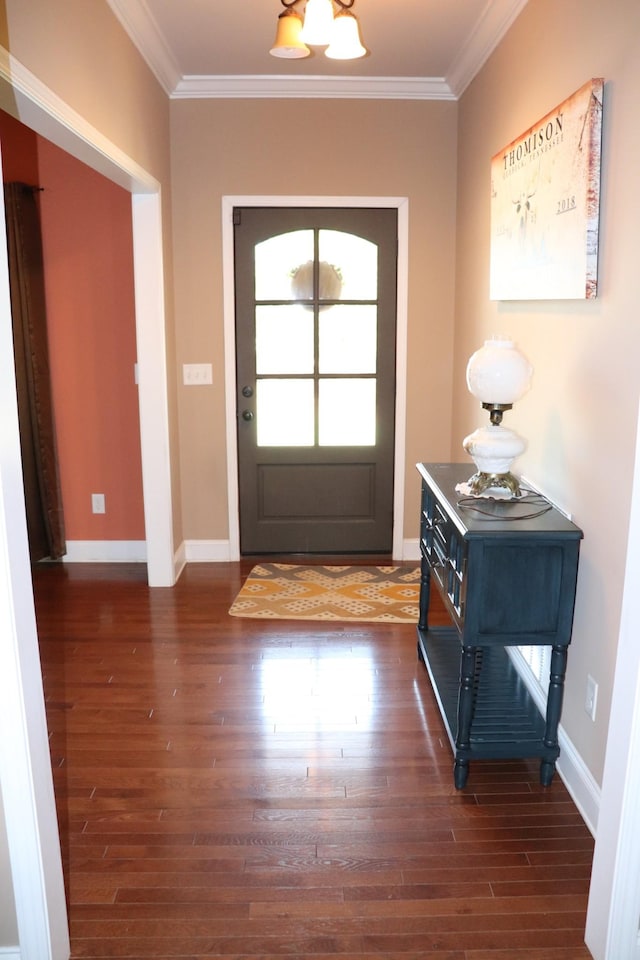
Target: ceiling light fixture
{"x": 338, "y": 32}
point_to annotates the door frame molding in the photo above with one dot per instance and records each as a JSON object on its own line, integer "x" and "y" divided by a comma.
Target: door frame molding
{"x": 614, "y": 892}
{"x": 401, "y": 204}
{"x": 27, "y": 99}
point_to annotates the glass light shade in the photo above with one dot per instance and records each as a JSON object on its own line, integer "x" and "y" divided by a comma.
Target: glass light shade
{"x": 345, "y": 38}
{"x": 318, "y": 22}
{"x": 493, "y": 449}
{"x": 288, "y": 44}
{"x": 498, "y": 373}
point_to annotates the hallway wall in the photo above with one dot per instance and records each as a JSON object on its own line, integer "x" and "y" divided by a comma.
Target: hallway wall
{"x": 288, "y": 148}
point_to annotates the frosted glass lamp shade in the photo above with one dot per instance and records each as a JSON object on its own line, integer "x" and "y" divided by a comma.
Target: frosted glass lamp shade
{"x": 288, "y": 44}
{"x": 498, "y": 373}
{"x": 318, "y": 23}
{"x": 345, "y": 39}
{"x": 493, "y": 449}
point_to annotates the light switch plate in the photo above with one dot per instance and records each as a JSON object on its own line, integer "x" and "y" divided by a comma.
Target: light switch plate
{"x": 197, "y": 374}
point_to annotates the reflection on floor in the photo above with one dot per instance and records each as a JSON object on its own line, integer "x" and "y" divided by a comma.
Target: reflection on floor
{"x": 246, "y": 789}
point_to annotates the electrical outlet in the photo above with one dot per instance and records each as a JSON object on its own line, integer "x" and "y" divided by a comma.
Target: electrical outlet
{"x": 591, "y": 697}
{"x": 97, "y": 503}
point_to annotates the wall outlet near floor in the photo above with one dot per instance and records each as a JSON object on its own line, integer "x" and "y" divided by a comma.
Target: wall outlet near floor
{"x": 97, "y": 503}
{"x": 591, "y": 697}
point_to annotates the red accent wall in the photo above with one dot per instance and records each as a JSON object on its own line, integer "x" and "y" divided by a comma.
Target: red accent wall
{"x": 88, "y": 257}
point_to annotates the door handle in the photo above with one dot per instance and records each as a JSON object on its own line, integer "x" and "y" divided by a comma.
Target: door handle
{"x": 247, "y": 415}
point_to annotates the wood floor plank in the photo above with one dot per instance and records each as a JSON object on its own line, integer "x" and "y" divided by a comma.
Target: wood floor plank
{"x": 265, "y": 929}
{"x": 233, "y": 788}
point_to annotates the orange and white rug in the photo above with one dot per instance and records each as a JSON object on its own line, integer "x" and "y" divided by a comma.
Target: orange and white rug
{"x": 280, "y": 591}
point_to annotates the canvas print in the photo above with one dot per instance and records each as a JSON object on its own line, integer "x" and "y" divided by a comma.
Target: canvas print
{"x": 545, "y": 196}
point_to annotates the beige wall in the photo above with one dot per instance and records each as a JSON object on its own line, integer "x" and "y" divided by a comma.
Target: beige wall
{"x": 309, "y": 148}
{"x": 580, "y": 415}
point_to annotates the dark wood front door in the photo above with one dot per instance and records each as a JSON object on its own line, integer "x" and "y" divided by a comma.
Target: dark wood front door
{"x": 315, "y": 347}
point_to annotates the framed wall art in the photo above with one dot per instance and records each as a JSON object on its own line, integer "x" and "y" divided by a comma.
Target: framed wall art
{"x": 545, "y": 198}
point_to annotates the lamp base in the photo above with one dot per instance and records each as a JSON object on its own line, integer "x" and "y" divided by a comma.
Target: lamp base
{"x": 480, "y": 482}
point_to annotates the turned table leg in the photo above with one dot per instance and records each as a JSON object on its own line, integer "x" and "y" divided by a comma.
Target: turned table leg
{"x": 554, "y": 709}
{"x": 465, "y": 713}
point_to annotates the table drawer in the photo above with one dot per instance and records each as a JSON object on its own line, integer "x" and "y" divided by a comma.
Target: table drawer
{"x": 446, "y": 553}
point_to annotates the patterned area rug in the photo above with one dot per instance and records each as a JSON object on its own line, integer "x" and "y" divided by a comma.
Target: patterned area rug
{"x": 280, "y": 591}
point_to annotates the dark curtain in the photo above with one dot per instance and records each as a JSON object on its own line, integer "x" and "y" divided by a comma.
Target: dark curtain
{"x": 35, "y": 411}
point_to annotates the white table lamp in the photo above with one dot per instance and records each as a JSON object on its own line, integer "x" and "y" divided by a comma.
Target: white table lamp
{"x": 498, "y": 375}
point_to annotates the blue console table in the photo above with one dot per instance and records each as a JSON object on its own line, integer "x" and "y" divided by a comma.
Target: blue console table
{"x": 506, "y": 571}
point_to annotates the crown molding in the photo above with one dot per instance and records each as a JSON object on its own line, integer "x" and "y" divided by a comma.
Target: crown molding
{"x": 141, "y": 27}
{"x": 489, "y": 31}
{"x": 273, "y": 87}
{"x": 145, "y": 34}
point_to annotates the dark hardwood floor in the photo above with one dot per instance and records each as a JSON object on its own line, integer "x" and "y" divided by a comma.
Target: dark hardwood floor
{"x": 242, "y": 789}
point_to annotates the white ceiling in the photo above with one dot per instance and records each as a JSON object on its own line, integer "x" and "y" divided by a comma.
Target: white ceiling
{"x": 417, "y": 49}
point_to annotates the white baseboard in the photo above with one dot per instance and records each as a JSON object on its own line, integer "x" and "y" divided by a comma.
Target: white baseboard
{"x": 410, "y": 550}
{"x": 189, "y": 551}
{"x": 207, "y": 551}
{"x": 135, "y": 551}
{"x": 9, "y": 953}
{"x": 219, "y": 551}
{"x": 577, "y": 778}
{"x": 106, "y": 551}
